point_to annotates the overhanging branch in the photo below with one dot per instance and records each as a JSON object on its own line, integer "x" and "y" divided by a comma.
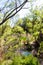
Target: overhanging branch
{"x": 9, "y": 15}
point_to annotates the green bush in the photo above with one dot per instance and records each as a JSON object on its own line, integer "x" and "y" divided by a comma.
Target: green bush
{"x": 22, "y": 60}
{"x": 25, "y": 60}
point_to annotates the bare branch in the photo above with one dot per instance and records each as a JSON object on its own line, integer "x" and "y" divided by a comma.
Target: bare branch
{"x": 9, "y": 15}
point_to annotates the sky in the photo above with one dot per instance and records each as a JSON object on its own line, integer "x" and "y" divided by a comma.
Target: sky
{"x": 38, "y": 3}
{"x": 24, "y": 12}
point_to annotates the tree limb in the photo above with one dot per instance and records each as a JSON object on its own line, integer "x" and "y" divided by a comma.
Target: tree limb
{"x": 9, "y": 14}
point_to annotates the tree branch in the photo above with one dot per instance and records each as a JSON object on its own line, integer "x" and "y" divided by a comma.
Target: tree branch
{"x": 9, "y": 14}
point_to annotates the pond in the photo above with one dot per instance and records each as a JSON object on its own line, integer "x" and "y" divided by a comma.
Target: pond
{"x": 25, "y": 53}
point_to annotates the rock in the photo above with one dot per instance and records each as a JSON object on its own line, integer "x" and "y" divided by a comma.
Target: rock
{"x": 34, "y": 52}
{"x": 41, "y": 55}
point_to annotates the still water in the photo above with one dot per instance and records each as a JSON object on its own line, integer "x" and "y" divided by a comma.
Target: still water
{"x": 25, "y": 53}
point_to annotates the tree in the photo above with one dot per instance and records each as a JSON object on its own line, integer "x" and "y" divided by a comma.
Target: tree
{"x": 13, "y": 11}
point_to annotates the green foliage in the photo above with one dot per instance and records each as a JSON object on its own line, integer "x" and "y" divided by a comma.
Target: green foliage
{"x": 6, "y": 33}
{"x": 22, "y": 60}
{"x": 41, "y": 46}
{"x": 7, "y": 62}
{"x": 24, "y": 32}
{"x": 18, "y": 29}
